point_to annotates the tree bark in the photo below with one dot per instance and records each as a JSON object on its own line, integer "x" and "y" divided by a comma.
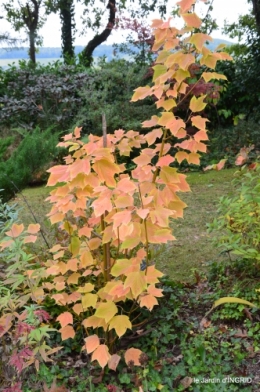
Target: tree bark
{"x": 67, "y": 16}
{"x": 86, "y": 55}
{"x": 32, "y": 49}
{"x": 31, "y": 18}
{"x": 256, "y": 12}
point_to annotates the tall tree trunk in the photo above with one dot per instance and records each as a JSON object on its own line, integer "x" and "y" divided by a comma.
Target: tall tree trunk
{"x": 256, "y": 12}
{"x": 86, "y": 55}
{"x": 67, "y": 20}
{"x": 32, "y": 49}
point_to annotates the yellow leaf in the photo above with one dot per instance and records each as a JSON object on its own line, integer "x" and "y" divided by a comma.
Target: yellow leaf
{"x": 199, "y": 39}
{"x": 199, "y": 122}
{"x": 88, "y": 300}
{"x": 67, "y": 332}
{"x": 168, "y": 104}
{"x": 74, "y": 245}
{"x": 91, "y": 343}
{"x": 159, "y": 70}
{"x": 197, "y": 104}
{"x": 86, "y": 259}
{"x": 101, "y": 355}
{"x": 94, "y": 322}
{"x": 106, "y": 310}
{"x": 234, "y": 300}
{"x": 120, "y": 267}
{"x": 132, "y": 355}
{"x": 94, "y": 243}
{"x": 86, "y": 288}
{"x": 169, "y": 175}
{"x": 181, "y": 155}
{"x": 165, "y": 118}
{"x": 106, "y": 171}
{"x": 120, "y": 324}
{"x": 73, "y": 278}
{"x": 136, "y": 282}
{"x": 192, "y": 20}
{"x": 141, "y": 93}
{"x": 207, "y": 76}
{"x": 65, "y": 319}
{"x": 194, "y": 158}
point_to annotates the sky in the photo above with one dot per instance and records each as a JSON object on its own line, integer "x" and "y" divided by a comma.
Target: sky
{"x": 222, "y": 10}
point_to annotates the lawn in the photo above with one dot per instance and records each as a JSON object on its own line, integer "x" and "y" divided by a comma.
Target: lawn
{"x": 193, "y": 246}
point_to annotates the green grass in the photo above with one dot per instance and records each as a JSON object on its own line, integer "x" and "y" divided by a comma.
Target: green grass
{"x": 193, "y": 246}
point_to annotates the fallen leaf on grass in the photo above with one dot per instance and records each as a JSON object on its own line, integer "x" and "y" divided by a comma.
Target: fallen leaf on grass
{"x": 186, "y": 382}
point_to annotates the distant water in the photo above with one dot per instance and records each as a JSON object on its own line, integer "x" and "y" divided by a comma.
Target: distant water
{"x": 6, "y": 63}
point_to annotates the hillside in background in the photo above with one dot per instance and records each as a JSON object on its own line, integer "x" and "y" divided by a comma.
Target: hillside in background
{"x": 55, "y": 53}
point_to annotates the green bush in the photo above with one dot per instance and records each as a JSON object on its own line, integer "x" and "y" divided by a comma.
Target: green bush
{"x": 4, "y": 144}
{"x": 108, "y": 90}
{"x": 238, "y": 225}
{"x": 34, "y": 152}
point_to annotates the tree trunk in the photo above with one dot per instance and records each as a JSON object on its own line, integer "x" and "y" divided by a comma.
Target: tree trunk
{"x": 256, "y": 12}
{"x": 67, "y": 16}
{"x": 32, "y": 49}
{"x": 86, "y": 55}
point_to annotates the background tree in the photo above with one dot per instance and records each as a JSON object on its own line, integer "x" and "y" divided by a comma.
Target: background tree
{"x": 26, "y": 15}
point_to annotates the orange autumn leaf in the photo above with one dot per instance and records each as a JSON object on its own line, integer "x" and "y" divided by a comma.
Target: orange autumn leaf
{"x": 67, "y": 332}
{"x": 30, "y": 239}
{"x": 15, "y": 230}
{"x": 77, "y": 308}
{"x": 199, "y": 122}
{"x": 106, "y": 170}
{"x": 101, "y": 354}
{"x": 150, "y": 123}
{"x": 113, "y": 362}
{"x": 153, "y": 135}
{"x": 185, "y": 5}
{"x": 33, "y": 228}
{"x": 91, "y": 343}
{"x": 122, "y": 217}
{"x": 192, "y": 20}
{"x": 165, "y": 161}
{"x": 132, "y": 355}
{"x": 148, "y": 301}
{"x": 65, "y": 319}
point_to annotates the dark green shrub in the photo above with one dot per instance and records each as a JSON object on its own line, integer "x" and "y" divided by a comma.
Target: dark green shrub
{"x": 41, "y": 96}
{"x": 34, "y": 152}
{"x": 109, "y": 90}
